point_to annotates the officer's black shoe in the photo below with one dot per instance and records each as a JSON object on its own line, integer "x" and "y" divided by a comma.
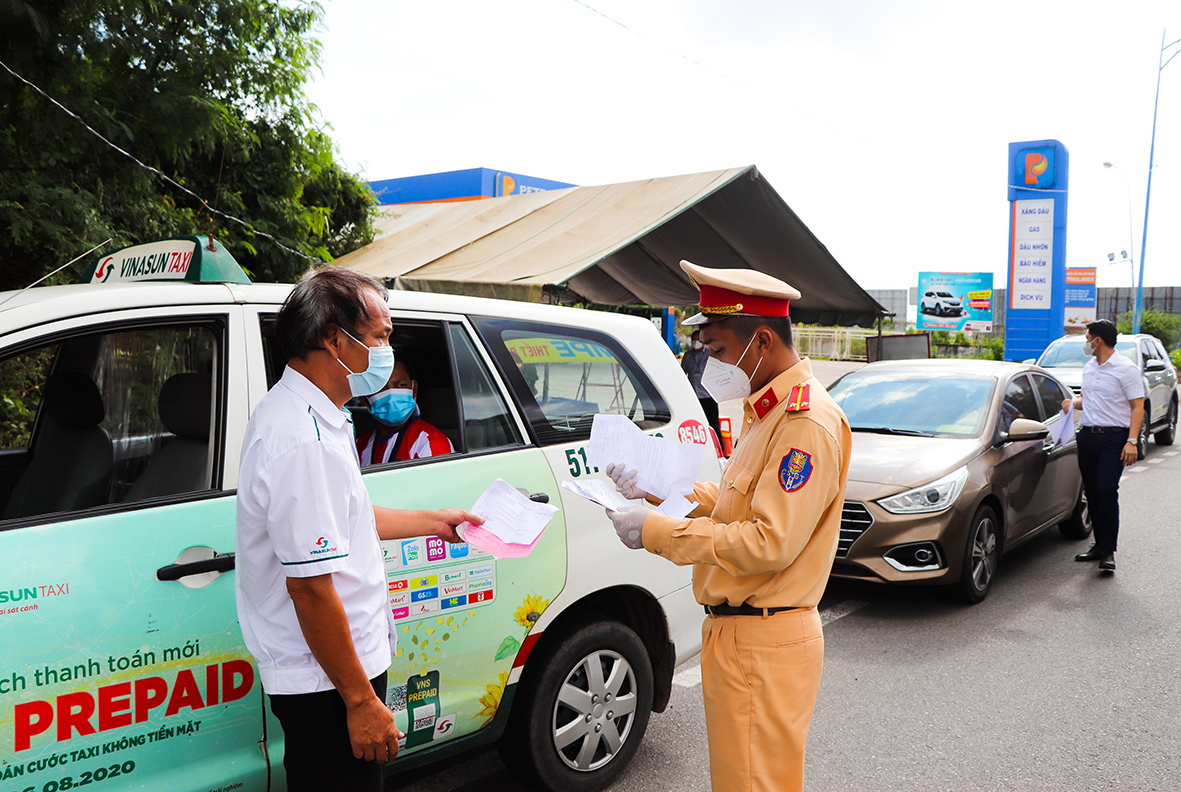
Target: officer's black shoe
{"x": 1107, "y": 564}
{"x": 1094, "y": 554}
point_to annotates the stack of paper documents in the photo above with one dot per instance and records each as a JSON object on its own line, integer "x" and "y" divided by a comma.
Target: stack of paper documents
{"x": 512, "y": 522}
{"x": 667, "y": 469}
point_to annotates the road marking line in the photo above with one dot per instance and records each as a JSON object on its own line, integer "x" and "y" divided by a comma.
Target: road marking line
{"x": 840, "y": 611}
{"x": 1136, "y": 469}
{"x": 1172, "y": 453}
{"x": 690, "y": 677}
{"x": 1154, "y": 461}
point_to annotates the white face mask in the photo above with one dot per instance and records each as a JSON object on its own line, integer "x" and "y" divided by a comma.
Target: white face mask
{"x": 726, "y": 381}
{"x": 1088, "y": 348}
{"x": 698, "y": 345}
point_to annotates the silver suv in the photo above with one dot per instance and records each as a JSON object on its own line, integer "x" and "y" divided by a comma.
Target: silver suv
{"x": 1064, "y": 359}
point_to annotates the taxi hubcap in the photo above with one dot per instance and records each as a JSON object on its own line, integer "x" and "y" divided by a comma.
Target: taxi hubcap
{"x": 595, "y": 709}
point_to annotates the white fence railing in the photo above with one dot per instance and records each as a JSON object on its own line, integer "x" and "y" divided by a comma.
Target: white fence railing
{"x": 833, "y": 343}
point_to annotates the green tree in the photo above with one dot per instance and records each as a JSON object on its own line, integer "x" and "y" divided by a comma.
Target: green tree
{"x": 209, "y": 93}
{"x": 1165, "y": 326}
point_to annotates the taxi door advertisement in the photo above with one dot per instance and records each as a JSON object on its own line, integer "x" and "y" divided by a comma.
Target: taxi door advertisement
{"x": 462, "y": 616}
{"x": 115, "y": 679}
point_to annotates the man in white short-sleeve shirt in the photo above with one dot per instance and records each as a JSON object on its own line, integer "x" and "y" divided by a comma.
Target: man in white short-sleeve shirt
{"x": 310, "y": 578}
{"x": 1112, "y": 402}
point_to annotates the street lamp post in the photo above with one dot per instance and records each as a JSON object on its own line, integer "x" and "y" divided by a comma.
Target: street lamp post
{"x": 1148, "y": 193}
{"x": 1131, "y": 251}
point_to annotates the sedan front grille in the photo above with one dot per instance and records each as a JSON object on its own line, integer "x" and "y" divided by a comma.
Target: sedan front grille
{"x": 855, "y": 520}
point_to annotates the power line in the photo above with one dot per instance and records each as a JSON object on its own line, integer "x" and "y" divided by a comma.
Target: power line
{"x": 157, "y": 172}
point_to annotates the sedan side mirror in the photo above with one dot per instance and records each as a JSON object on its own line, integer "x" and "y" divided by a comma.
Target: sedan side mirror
{"x": 1154, "y": 365}
{"x": 1025, "y": 429}
{"x": 1030, "y": 360}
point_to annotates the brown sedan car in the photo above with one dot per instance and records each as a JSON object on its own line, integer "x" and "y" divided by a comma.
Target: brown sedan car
{"x": 954, "y": 463}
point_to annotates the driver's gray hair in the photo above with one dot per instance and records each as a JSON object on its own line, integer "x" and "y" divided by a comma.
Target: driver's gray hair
{"x": 324, "y": 296}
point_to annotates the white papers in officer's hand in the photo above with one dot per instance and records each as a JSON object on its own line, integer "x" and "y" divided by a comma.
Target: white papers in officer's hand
{"x": 676, "y": 505}
{"x": 665, "y": 466}
{"x": 600, "y": 492}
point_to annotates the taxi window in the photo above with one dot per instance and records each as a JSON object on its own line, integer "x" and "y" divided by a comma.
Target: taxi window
{"x": 563, "y": 376}
{"x": 487, "y": 422}
{"x": 110, "y": 417}
{"x": 1019, "y": 402}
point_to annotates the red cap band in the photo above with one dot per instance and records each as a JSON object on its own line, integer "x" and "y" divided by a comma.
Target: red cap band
{"x": 716, "y": 300}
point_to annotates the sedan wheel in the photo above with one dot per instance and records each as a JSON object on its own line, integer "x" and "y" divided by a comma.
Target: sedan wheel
{"x": 980, "y": 556}
{"x": 1142, "y": 440}
{"x": 1166, "y": 436}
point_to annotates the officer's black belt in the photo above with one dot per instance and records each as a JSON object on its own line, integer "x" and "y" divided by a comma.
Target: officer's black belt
{"x": 742, "y": 610}
{"x": 1105, "y": 429}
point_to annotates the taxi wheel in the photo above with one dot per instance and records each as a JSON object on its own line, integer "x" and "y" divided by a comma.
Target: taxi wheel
{"x": 980, "y": 556}
{"x": 582, "y": 710}
{"x": 1078, "y": 524}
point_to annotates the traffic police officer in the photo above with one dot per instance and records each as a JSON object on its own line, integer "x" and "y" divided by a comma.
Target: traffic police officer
{"x": 763, "y": 541}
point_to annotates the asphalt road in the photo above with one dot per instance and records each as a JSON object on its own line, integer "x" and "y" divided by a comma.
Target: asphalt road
{"x": 1062, "y": 679}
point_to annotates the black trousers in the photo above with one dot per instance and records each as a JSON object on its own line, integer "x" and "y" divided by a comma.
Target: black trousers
{"x": 317, "y": 754}
{"x": 1100, "y": 460}
{"x": 711, "y": 414}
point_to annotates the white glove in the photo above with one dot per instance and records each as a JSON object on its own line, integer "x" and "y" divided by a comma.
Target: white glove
{"x": 625, "y": 481}
{"x": 629, "y": 525}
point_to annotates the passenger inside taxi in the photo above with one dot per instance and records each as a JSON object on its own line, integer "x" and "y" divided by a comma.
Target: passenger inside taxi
{"x": 400, "y": 432}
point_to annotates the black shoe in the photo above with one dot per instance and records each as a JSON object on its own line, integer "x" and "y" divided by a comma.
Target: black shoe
{"x": 1094, "y": 554}
{"x": 1108, "y": 563}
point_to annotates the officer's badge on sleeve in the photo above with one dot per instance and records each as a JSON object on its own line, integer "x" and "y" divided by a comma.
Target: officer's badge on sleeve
{"x": 794, "y": 470}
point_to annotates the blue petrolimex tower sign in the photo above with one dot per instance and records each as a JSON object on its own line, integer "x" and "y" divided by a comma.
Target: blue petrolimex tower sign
{"x": 1038, "y": 183}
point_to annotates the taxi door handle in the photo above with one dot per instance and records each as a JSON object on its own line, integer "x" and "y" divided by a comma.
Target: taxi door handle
{"x": 536, "y": 497}
{"x": 219, "y": 563}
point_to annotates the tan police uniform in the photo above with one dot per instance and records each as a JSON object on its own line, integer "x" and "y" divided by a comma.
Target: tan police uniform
{"x": 762, "y": 541}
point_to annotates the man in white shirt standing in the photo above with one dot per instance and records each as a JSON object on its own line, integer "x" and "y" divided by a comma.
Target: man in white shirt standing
{"x": 310, "y": 578}
{"x": 1112, "y": 402}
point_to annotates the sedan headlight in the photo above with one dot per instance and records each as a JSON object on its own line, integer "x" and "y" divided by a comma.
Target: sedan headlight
{"x": 933, "y": 497}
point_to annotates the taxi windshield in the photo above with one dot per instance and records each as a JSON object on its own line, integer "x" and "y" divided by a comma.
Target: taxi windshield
{"x": 913, "y": 403}
{"x": 1069, "y": 354}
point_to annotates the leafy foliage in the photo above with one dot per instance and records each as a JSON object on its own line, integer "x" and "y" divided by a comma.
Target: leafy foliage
{"x": 209, "y": 93}
{"x": 1166, "y": 327}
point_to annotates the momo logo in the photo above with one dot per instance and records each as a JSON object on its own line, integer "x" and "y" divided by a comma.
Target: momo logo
{"x": 1038, "y": 165}
{"x": 323, "y": 546}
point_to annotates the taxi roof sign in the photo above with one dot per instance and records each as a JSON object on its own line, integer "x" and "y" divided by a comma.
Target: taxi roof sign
{"x": 188, "y": 258}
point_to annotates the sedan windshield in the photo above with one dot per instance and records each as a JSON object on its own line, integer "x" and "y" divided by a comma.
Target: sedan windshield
{"x": 913, "y": 403}
{"x": 1069, "y": 354}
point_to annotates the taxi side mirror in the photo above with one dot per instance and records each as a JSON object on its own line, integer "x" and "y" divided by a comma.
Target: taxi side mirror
{"x": 1154, "y": 365}
{"x": 1025, "y": 429}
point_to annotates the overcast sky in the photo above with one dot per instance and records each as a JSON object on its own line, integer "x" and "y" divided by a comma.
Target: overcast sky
{"x": 884, "y": 124}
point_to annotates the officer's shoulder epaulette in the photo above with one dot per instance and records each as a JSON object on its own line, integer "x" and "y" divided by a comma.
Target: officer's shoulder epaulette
{"x": 798, "y": 399}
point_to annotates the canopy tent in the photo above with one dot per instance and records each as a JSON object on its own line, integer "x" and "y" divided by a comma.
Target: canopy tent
{"x": 616, "y": 244}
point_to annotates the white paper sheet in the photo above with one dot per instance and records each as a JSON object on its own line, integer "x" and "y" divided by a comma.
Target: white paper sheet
{"x": 511, "y": 516}
{"x": 1064, "y": 429}
{"x": 599, "y": 492}
{"x": 676, "y": 506}
{"x": 665, "y": 466}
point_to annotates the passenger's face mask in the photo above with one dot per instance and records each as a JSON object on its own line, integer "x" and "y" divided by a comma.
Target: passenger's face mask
{"x": 392, "y": 406}
{"x": 1088, "y": 347}
{"x": 698, "y": 345}
{"x": 373, "y": 378}
{"x": 726, "y": 381}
